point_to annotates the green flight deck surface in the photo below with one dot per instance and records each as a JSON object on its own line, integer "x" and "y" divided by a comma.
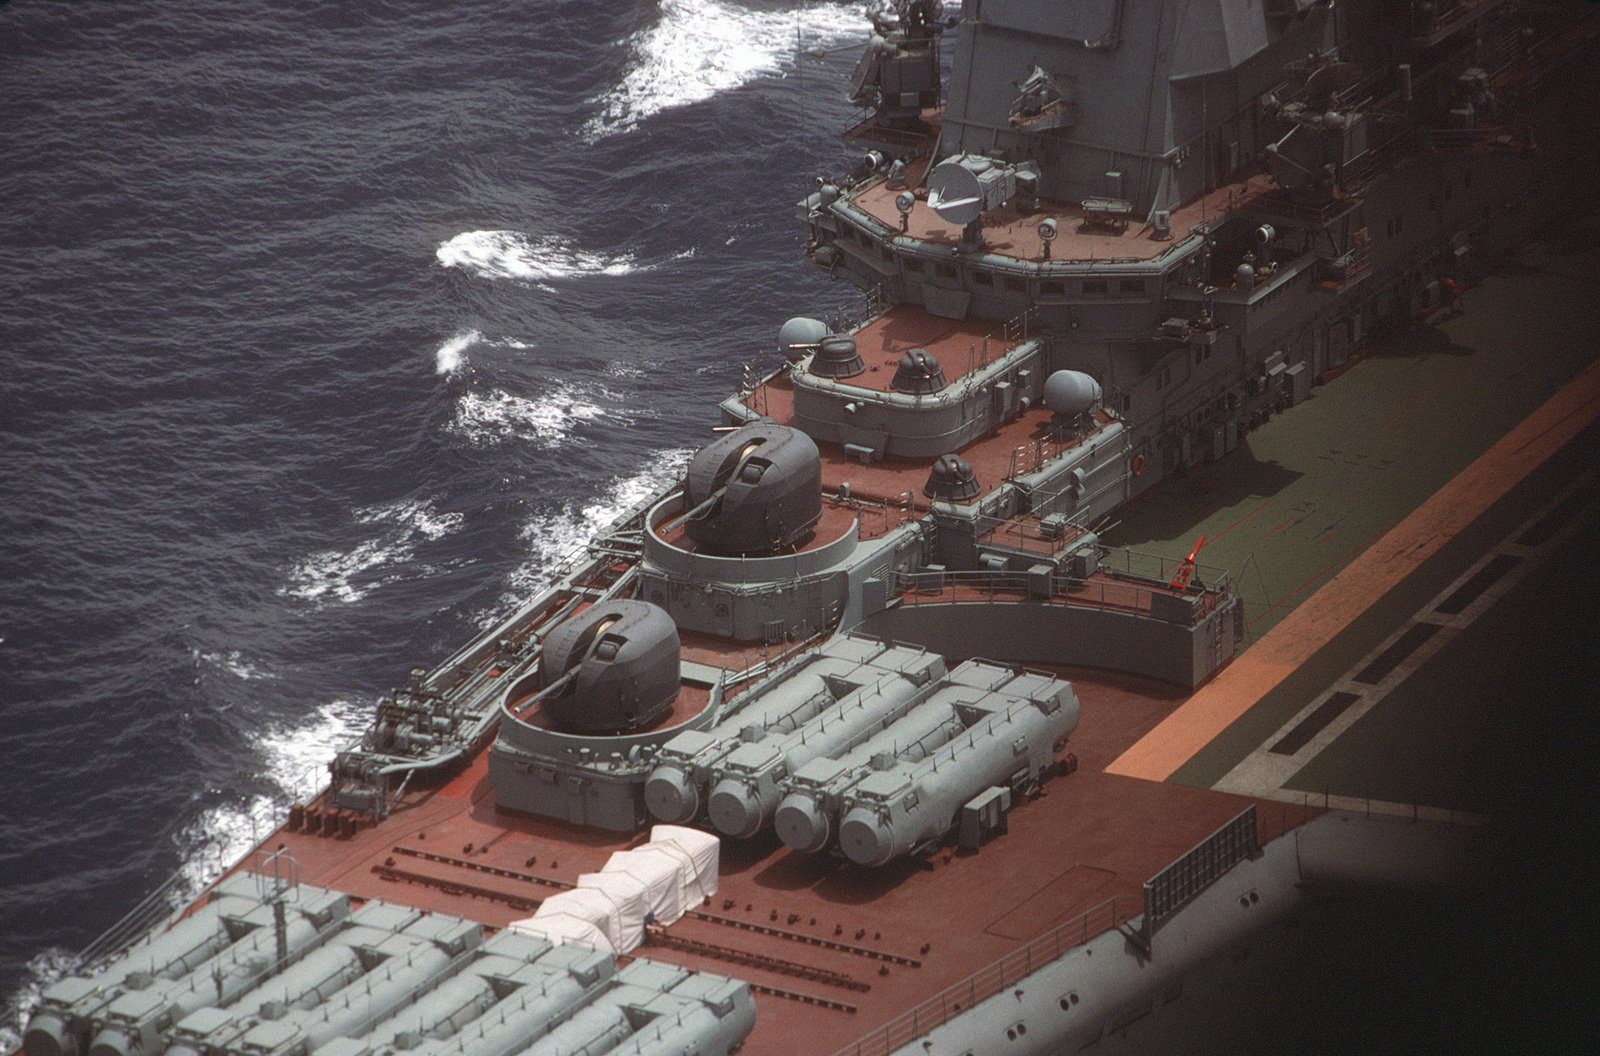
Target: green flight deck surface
{"x": 1500, "y": 700}
{"x": 1309, "y": 490}
{"x": 1368, "y": 631}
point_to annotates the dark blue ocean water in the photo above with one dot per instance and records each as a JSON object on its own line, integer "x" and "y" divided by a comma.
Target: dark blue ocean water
{"x": 325, "y": 329}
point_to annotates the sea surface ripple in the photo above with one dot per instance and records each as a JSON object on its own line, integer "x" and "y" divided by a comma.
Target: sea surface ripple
{"x": 325, "y": 331}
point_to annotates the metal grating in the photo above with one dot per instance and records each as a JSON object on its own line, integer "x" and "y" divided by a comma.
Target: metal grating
{"x": 1172, "y": 888}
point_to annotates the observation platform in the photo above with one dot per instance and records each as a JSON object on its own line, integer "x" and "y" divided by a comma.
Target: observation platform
{"x": 1085, "y": 229}
{"x": 1018, "y": 446}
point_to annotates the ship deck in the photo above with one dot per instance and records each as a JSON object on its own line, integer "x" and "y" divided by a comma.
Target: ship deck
{"x": 1083, "y": 234}
{"x": 835, "y": 950}
{"x": 1373, "y": 507}
{"x": 961, "y": 347}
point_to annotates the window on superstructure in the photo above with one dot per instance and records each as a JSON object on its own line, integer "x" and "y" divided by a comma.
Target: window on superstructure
{"x": 983, "y": 278}
{"x": 1052, "y": 288}
{"x": 945, "y": 271}
{"x": 1094, "y": 287}
{"x": 914, "y": 265}
{"x": 1130, "y": 286}
{"x": 1016, "y": 285}
{"x": 1433, "y": 200}
{"x": 1447, "y": 190}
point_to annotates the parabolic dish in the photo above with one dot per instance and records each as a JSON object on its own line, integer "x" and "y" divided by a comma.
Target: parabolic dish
{"x": 954, "y": 193}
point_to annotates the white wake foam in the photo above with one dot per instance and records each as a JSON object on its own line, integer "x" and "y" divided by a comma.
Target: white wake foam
{"x": 296, "y": 763}
{"x": 349, "y": 575}
{"x": 552, "y": 538}
{"x": 702, "y": 47}
{"x": 514, "y": 255}
{"x": 296, "y": 759}
{"x": 484, "y": 419}
{"x": 47, "y": 967}
{"x": 233, "y": 661}
{"x": 452, "y": 354}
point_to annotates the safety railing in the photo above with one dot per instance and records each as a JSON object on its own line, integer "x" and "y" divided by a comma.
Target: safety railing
{"x": 1027, "y": 534}
{"x": 1173, "y": 888}
{"x": 1107, "y": 594}
{"x": 994, "y": 978}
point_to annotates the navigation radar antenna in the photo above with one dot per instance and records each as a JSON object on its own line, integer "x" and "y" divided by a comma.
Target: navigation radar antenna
{"x": 277, "y": 884}
{"x": 955, "y": 194}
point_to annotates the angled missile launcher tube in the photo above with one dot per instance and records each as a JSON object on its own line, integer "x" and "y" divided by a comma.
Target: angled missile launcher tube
{"x": 386, "y": 978}
{"x": 455, "y": 1003}
{"x": 410, "y": 964}
{"x": 806, "y": 818}
{"x": 342, "y": 958}
{"x": 68, "y": 1009}
{"x": 672, "y": 1011}
{"x": 678, "y": 788}
{"x": 891, "y": 812}
{"x": 747, "y": 791}
{"x": 536, "y": 996}
{"x": 596, "y": 1029}
{"x": 135, "y": 1021}
{"x": 682, "y": 1030}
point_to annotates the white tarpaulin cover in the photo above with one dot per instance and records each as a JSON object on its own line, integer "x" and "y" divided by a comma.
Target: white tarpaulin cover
{"x": 563, "y": 927}
{"x": 586, "y": 904}
{"x": 703, "y": 850}
{"x": 628, "y": 894}
{"x": 661, "y": 872}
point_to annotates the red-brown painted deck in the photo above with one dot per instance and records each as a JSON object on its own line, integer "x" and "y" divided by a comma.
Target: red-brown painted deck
{"x": 1012, "y": 233}
{"x": 1018, "y": 446}
{"x": 905, "y": 932}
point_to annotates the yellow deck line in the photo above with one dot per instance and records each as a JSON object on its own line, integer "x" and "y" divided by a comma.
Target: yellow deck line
{"x": 1242, "y": 684}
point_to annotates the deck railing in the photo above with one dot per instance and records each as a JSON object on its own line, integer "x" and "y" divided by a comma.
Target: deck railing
{"x": 1108, "y": 594}
{"x": 994, "y": 978}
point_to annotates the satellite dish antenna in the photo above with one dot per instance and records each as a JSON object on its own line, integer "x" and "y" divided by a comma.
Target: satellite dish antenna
{"x": 954, "y": 193}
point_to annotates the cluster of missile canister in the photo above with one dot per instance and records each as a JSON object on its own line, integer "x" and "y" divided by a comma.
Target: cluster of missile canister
{"x": 379, "y": 980}
{"x": 870, "y": 748}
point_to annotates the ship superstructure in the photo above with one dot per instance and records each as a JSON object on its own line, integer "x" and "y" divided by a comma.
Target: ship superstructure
{"x": 800, "y": 715}
{"x": 1204, "y": 207}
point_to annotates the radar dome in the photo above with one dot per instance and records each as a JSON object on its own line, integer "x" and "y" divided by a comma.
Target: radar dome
{"x": 800, "y": 335}
{"x": 1070, "y": 392}
{"x": 625, "y": 655}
